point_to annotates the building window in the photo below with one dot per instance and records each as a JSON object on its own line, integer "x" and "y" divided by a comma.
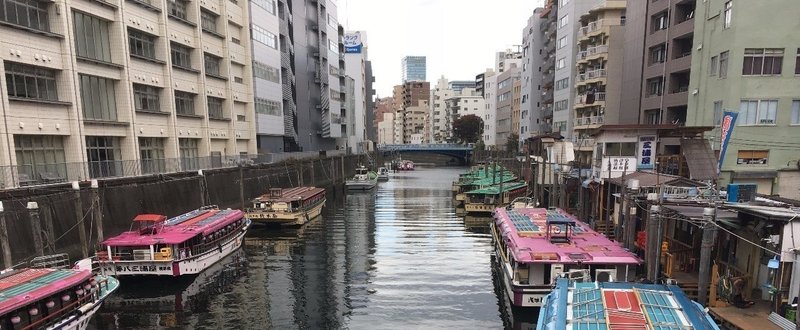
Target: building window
{"x": 333, "y": 46}
{"x": 98, "y": 98}
{"x": 268, "y": 5}
{"x": 660, "y": 21}
{"x": 561, "y": 105}
{"x": 208, "y": 21}
{"x": 757, "y": 112}
{"x": 562, "y": 42}
{"x": 563, "y": 21}
{"x": 190, "y": 155}
{"x": 145, "y": 98}
{"x": 712, "y": 68}
{"x": 151, "y": 155}
{"x": 266, "y": 72}
{"x": 177, "y": 9}
{"x": 28, "y": 13}
{"x": 91, "y": 37}
{"x": 215, "y": 108}
{"x": 181, "y": 55}
{"x": 723, "y": 65}
{"x": 211, "y": 64}
{"x": 655, "y": 86}
{"x": 795, "y": 112}
{"x": 762, "y": 61}
{"x": 652, "y": 117}
{"x": 562, "y": 84}
{"x": 265, "y": 37}
{"x": 184, "y": 103}
{"x": 752, "y": 157}
{"x": 241, "y": 118}
{"x": 717, "y": 113}
{"x": 142, "y": 44}
{"x": 103, "y": 153}
{"x": 797, "y": 62}
{"x": 727, "y": 14}
{"x": 658, "y": 54}
{"x": 562, "y": 63}
{"x": 620, "y": 149}
{"x": 563, "y": 3}
{"x": 332, "y": 22}
{"x": 30, "y": 82}
{"x": 40, "y": 158}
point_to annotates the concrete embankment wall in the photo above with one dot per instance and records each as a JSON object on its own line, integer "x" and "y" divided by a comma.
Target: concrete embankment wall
{"x": 63, "y": 210}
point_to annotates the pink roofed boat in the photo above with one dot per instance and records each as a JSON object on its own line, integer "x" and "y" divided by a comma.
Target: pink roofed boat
{"x": 535, "y": 246}
{"x": 183, "y": 245}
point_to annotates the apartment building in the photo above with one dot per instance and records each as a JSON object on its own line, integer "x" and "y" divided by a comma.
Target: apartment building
{"x": 466, "y": 102}
{"x": 414, "y": 68}
{"x": 312, "y": 75}
{"x": 386, "y": 128}
{"x": 414, "y": 123}
{"x": 505, "y": 104}
{"x": 531, "y": 110}
{"x": 479, "y": 81}
{"x": 370, "y": 96}
{"x": 566, "y": 48}
{"x": 382, "y": 105}
{"x": 408, "y": 95}
{"x": 516, "y": 97}
{"x": 746, "y": 68}
{"x": 490, "y": 115}
{"x": 598, "y": 83}
{"x": 102, "y": 89}
{"x": 440, "y": 121}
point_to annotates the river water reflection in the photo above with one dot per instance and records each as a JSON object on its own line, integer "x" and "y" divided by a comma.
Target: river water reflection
{"x": 395, "y": 258}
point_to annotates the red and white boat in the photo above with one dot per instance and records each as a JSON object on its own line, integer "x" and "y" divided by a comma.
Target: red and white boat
{"x": 183, "y": 245}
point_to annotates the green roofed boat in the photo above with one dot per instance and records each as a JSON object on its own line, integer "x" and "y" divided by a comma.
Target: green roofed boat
{"x": 485, "y": 200}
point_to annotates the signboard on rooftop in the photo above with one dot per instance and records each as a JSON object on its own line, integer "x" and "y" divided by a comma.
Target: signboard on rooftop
{"x": 353, "y": 43}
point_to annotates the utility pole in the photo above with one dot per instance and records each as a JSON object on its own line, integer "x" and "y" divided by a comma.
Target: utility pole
{"x": 709, "y": 236}
{"x": 653, "y": 242}
{"x": 36, "y": 227}
{"x": 7, "y": 259}
{"x": 630, "y": 220}
{"x": 618, "y": 229}
{"x": 608, "y": 199}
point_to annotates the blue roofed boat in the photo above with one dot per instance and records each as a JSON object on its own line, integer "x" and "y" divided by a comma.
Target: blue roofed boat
{"x": 620, "y": 305}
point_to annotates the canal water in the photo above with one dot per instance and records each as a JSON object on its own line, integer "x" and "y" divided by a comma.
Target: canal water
{"x": 395, "y": 258}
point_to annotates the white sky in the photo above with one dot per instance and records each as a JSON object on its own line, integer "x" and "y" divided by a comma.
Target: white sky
{"x": 459, "y": 37}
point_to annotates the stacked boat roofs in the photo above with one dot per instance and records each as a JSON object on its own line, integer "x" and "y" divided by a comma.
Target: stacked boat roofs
{"x": 620, "y": 305}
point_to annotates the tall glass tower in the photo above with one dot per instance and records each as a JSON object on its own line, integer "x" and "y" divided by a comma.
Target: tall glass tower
{"x": 414, "y": 68}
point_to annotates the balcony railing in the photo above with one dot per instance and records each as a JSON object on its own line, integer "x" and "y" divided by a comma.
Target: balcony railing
{"x": 580, "y": 142}
{"x": 598, "y": 97}
{"x": 599, "y": 73}
{"x": 594, "y": 50}
{"x": 591, "y": 120}
{"x": 597, "y": 25}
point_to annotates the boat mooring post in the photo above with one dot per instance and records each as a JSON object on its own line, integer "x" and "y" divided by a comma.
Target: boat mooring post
{"x": 76, "y": 188}
{"x": 6, "y": 246}
{"x": 97, "y": 211}
{"x": 36, "y": 227}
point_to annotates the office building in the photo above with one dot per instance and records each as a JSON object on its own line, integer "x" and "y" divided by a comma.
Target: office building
{"x": 414, "y": 68}
{"x": 370, "y": 99}
{"x": 479, "y": 81}
{"x": 505, "y": 104}
{"x": 533, "y": 88}
{"x": 440, "y": 121}
{"x": 356, "y": 60}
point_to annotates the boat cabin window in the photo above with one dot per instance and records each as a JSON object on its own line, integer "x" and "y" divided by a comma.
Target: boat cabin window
{"x": 361, "y": 171}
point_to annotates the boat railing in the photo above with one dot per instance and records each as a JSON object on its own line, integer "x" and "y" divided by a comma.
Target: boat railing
{"x": 60, "y": 260}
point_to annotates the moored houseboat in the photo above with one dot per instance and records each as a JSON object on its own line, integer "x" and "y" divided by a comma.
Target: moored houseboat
{"x": 383, "y": 174}
{"x": 52, "y": 298}
{"x": 183, "y": 245}
{"x": 485, "y": 200}
{"x": 506, "y": 177}
{"x": 620, "y": 305}
{"x": 288, "y": 206}
{"x": 363, "y": 180}
{"x": 534, "y": 246}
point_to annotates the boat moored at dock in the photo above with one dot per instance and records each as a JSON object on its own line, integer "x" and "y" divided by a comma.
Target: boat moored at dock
{"x": 620, "y": 305}
{"x": 52, "y": 298}
{"x": 534, "y": 246}
{"x": 485, "y": 200}
{"x": 183, "y": 245}
{"x": 363, "y": 180}
{"x": 383, "y": 174}
{"x": 288, "y": 206}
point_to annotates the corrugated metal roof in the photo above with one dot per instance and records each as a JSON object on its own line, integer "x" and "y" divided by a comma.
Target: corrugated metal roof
{"x": 700, "y": 158}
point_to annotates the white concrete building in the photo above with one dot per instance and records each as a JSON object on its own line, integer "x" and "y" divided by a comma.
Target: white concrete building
{"x": 440, "y": 130}
{"x": 355, "y": 55}
{"x": 490, "y": 106}
{"x": 386, "y": 129}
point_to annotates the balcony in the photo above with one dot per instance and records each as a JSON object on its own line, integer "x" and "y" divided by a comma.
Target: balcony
{"x": 547, "y": 112}
{"x": 590, "y": 75}
{"x": 582, "y": 143}
{"x": 591, "y": 53}
{"x": 599, "y": 100}
{"x": 596, "y": 27}
{"x": 587, "y": 121}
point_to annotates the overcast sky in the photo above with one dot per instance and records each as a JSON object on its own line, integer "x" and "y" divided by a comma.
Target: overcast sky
{"x": 459, "y": 37}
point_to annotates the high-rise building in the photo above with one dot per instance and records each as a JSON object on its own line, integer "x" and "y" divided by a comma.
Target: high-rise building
{"x": 479, "y": 81}
{"x": 407, "y": 95}
{"x": 414, "y": 123}
{"x": 498, "y": 97}
{"x": 266, "y": 53}
{"x": 599, "y": 81}
{"x": 566, "y": 49}
{"x": 746, "y": 68}
{"x": 533, "y": 88}
{"x": 505, "y": 103}
{"x": 440, "y": 121}
{"x": 414, "y": 68}
{"x": 382, "y": 106}
{"x": 312, "y": 74}
{"x": 356, "y": 68}
{"x": 370, "y": 99}
{"x": 490, "y": 114}
{"x": 102, "y": 89}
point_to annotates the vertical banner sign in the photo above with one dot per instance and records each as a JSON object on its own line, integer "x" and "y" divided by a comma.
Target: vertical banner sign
{"x": 646, "y": 145}
{"x": 726, "y": 130}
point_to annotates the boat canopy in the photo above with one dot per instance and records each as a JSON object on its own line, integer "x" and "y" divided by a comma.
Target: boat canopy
{"x": 203, "y": 223}
{"x": 22, "y": 287}
{"x": 150, "y": 217}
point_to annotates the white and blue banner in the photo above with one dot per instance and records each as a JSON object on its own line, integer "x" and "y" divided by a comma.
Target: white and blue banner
{"x": 353, "y": 43}
{"x": 726, "y": 130}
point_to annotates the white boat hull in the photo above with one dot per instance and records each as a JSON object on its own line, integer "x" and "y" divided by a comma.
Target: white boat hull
{"x": 187, "y": 266}
{"x": 79, "y": 320}
{"x": 360, "y": 185}
{"x": 287, "y": 218}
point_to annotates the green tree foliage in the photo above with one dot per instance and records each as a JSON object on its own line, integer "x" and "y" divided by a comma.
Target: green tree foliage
{"x": 468, "y": 129}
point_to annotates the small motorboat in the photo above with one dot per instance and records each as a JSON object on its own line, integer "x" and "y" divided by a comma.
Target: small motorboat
{"x": 363, "y": 180}
{"x": 383, "y": 174}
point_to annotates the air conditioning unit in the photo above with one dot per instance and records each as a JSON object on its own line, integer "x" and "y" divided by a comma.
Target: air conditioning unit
{"x": 742, "y": 192}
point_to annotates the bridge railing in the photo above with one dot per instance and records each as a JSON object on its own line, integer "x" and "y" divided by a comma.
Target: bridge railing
{"x": 439, "y": 146}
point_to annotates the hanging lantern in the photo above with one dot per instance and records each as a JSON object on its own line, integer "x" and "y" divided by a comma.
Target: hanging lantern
{"x": 66, "y": 297}
{"x": 93, "y": 282}
{"x": 16, "y": 319}
{"x": 79, "y": 292}
{"x": 87, "y": 286}
{"x": 33, "y": 311}
{"x": 50, "y": 304}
